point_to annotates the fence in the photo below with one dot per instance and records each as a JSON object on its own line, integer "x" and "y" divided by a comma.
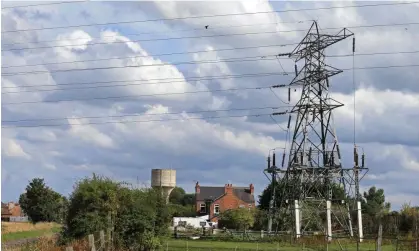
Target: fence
{"x": 285, "y": 241}
{"x": 244, "y": 241}
{"x": 100, "y": 241}
{"x": 289, "y": 243}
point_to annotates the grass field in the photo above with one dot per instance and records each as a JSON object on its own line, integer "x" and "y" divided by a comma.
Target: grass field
{"x": 195, "y": 245}
{"x": 22, "y": 230}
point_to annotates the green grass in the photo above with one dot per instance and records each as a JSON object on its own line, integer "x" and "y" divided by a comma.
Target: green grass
{"x": 29, "y": 234}
{"x": 202, "y": 245}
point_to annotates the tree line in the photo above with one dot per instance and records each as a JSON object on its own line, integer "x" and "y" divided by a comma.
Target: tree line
{"x": 375, "y": 210}
{"x": 141, "y": 217}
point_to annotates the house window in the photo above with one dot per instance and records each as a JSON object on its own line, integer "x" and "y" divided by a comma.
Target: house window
{"x": 202, "y": 208}
{"x": 241, "y": 206}
{"x": 216, "y": 209}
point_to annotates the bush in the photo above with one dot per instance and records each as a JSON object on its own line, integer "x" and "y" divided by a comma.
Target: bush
{"x": 140, "y": 218}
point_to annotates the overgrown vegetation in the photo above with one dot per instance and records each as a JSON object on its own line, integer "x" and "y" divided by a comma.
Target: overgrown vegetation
{"x": 140, "y": 218}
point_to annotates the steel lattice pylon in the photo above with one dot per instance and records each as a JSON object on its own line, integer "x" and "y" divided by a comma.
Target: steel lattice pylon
{"x": 317, "y": 193}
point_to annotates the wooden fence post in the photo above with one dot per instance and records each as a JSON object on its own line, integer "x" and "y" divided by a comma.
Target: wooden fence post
{"x": 380, "y": 237}
{"x": 102, "y": 239}
{"x": 109, "y": 241}
{"x": 92, "y": 242}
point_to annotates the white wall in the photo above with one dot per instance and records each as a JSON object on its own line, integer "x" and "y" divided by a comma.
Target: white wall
{"x": 193, "y": 221}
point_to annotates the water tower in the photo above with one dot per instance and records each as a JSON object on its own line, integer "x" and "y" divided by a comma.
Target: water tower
{"x": 164, "y": 179}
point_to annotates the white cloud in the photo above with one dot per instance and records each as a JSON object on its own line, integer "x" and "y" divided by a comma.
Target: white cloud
{"x": 89, "y": 133}
{"x": 77, "y": 40}
{"x": 384, "y": 117}
{"x": 12, "y": 148}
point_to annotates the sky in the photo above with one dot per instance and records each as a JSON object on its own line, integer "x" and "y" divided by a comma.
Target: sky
{"x": 134, "y": 61}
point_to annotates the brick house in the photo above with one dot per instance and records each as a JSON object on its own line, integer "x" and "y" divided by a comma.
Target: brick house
{"x": 214, "y": 200}
{"x": 10, "y": 209}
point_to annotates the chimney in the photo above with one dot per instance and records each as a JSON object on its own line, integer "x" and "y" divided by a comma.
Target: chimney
{"x": 228, "y": 188}
{"x": 197, "y": 188}
{"x": 251, "y": 188}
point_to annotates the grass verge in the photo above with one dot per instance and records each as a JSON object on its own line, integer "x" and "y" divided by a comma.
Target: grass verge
{"x": 29, "y": 234}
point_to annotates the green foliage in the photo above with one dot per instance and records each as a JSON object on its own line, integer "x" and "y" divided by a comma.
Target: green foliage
{"x": 41, "y": 203}
{"x": 140, "y": 218}
{"x": 181, "y": 211}
{"x": 373, "y": 203}
{"x": 179, "y": 197}
{"x": 240, "y": 218}
{"x": 176, "y": 196}
{"x": 188, "y": 199}
{"x": 91, "y": 204}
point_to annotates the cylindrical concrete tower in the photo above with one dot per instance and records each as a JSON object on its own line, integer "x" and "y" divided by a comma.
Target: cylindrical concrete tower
{"x": 164, "y": 179}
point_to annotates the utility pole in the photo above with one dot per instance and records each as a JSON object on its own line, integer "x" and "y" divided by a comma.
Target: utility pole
{"x": 314, "y": 168}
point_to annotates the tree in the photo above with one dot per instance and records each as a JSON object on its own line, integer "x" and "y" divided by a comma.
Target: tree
{"x": 140, "y": 217}
{"x": 177, "y": 195}
{"x": 92, "y": 206}
{"x": 374, "y": 203}
{"x": 240, "y": 218}
{"x": 181, "y": 211}
{"x": 188, "y": 199}
{"x": 41, "y": 203}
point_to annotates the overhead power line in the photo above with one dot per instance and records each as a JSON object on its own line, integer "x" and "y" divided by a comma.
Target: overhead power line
{"x": 165, "y": 80}
{"x": 207, "y": 36}
{"x": 192, "y": 92}
{"x": 141, "y": 121}
{"x": 228, "y": 60}
{"x": 42, "y": 4}
{"x": 213, "y": 16}
{"x": 124, "y": 67}
{"x": 142, "y": 40}
{"x": 154, "y": 55}
{"x": 207, "y": 28}
{"x": 148, "y": 114}
{"x": 137, "y": 96}
{"x": 140, "y": 84}
{"x": 200, "y": 51}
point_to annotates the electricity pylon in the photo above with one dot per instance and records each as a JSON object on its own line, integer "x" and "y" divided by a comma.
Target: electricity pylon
{"x": 316, "y": 193}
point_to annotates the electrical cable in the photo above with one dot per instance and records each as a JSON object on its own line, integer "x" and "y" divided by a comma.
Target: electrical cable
{"x": 168, "y": 80}
{"x": 206, "y": 36}
{"x": 181, "y": 80}
{"x": 139, "y": 121}
{"x": 148, "y": 114}
{"x": 212, "y": 16}
{"x": 354, "y": 87}
{"x": 123, "y": 67}
{"x": 36, "y": 5}
{"x": 228, "y": 60}
{"x": 207, "y": 28}
{"x": 137, "y": 96}
{"x": 147, "y": 56}
{"x": 142, "y": 40}
{"x": 202, "y": 51}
